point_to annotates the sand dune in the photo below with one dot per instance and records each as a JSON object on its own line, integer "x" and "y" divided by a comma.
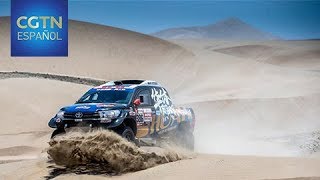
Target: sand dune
{"x": 204, "y": 167}
{"x": 248, "y": 112}
{"x": 221, "y": 76}
{"x": 247, "y": 101}
{"x": 64, "y": 78}
{"x": 296, "y": 54}
{"x": 263, "y": 109}
{"x": 33, "y": 101}
{"x": 227, "y": 29}
{"x": 105, "y": 53}
{"x": 29, "y": 104}
{"x": 267, "y": 127}
{"x": 16, "y": 150}
{"x": 250, "y": 51}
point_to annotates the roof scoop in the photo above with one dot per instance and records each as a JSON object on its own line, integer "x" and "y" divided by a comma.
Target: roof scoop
{"x": 132, "y": 82}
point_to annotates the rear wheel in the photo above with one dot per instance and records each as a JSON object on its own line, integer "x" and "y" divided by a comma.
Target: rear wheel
{"x": 57, "y": 132}
{"x": 184, "y": 136}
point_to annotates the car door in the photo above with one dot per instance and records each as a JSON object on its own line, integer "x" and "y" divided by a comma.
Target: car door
{"x": 164, "y": 109}
{"x": 145, "y": 113}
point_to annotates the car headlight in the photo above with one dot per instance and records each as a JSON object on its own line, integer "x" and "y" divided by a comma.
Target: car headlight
{"x": 112, "y": 114}
{"x": 60, "y": 114}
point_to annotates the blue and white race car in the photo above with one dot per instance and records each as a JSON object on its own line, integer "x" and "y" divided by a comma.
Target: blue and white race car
{"x": 132, "y": 108}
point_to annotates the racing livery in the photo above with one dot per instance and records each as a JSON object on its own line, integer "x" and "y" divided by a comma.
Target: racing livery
{"x": 133, "y": 108}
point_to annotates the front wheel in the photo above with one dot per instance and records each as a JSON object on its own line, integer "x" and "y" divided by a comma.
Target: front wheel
{"x": 57, "y": 132}
{"x": 127, "y": 133}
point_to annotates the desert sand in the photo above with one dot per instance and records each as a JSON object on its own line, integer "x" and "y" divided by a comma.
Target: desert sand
{"x": 256, "y": 103}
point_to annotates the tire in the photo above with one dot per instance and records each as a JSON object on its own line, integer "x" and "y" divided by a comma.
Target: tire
{"x": 127, "y": 133}
{"x": 57, "y": 132}
{"x": 184, "y": 136}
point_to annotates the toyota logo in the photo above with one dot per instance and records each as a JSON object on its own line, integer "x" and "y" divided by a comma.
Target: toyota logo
{"x": 78, "y": 115}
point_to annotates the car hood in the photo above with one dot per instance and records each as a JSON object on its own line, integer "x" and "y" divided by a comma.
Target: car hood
{"x": 92, "y": 107}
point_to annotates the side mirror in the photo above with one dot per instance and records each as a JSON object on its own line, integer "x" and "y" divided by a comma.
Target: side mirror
{"x": 137, "y": 102}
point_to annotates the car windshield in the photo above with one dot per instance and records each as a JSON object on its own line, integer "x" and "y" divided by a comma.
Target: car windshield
{"x": 107, "y": 96}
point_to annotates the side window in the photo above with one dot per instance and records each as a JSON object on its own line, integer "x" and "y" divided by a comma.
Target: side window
{"x": 145, "y": 97}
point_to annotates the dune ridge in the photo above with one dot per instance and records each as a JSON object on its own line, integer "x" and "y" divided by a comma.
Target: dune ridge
{"x": 65, "y": 78}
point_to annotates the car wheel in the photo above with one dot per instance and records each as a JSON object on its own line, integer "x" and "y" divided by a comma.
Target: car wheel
{"x": 57, "y": 132}
{"x": 184, "y": 136}
{"x": 128, "y": 134}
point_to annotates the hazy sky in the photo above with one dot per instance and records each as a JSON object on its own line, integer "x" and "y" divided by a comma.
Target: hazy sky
{"x": 286, "y": 19}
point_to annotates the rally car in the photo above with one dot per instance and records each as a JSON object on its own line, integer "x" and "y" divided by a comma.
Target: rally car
{"x": 135, "y": 109}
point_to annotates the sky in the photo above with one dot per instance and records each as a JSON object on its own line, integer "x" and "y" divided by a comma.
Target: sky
{"x": 285, "y": 19}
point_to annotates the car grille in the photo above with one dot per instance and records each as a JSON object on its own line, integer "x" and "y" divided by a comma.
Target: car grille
{"x": 86, "y": 116}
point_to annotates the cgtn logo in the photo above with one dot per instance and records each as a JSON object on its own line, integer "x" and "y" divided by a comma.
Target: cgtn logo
{"x": 33, "y": 22}
{"x": 39, "y": 28}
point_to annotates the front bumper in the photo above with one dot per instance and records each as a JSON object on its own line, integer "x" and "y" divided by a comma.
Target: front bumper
{"x": 68, "y": 123}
